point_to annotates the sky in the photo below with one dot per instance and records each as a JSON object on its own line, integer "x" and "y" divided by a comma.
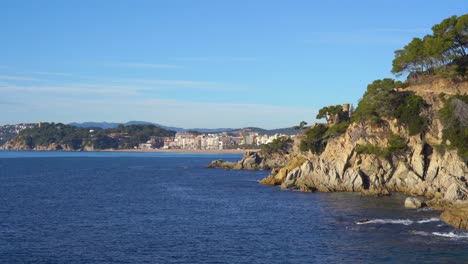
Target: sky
{"x": 199, "y": 63}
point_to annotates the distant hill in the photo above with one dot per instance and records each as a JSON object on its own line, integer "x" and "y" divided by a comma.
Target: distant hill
{"x": 176, "y": 129}
{"x": 105, "y": 125}
{"x": 286, "y": 131}
{"x": 57, "y": 136}
{"x": 9, "y": 131}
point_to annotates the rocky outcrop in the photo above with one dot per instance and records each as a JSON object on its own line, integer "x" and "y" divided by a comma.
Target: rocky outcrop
{"x": 420, "y": 169}
{"x": 21, "y": 145}
{"x": 456, "y": 216}
{"x": 279, "y": 176}
{"x": 252, "y": 160}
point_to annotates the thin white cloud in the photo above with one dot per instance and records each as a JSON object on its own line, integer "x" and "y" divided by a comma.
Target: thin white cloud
{"x": 19, "y": 78}
{"x": 109, "y": 88}
{"x": 143, "y": 65}
{"x": 51, "y": 73}
{"x": 3, "y": 102}
{"x": 70, "y": 90}
{"x": 371, "y": 36}
{"x": 179, "y": 84}
{"x": 396, "y": 30}
{"x": 216, "y": 59}
{"x": 172, "y": 112}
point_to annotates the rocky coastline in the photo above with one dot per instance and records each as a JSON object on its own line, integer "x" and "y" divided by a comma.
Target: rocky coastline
{"x": 421, "y": 170}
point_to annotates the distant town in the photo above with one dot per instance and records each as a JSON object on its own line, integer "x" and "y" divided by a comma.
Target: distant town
{"x": 188, "y": 140}
{"x": 224, "y": 140}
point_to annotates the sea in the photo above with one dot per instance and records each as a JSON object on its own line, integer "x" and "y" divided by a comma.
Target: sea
{"x": 117, "y": 207}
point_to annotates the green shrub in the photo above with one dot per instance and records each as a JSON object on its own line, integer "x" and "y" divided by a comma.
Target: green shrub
{"x": 408, "y": 113}
{"x": 278, "y": 145}
{"x": 377, "y": 101}
{"x": 381, "y": 100}
{"x": 369, "y": 149}
{"x": 314, "y": 140}
{"x": 337, "y": 129}
{"x": 453, "y": 118}
{"x": 442, "y": 96}
{"x": 395, "y": 145}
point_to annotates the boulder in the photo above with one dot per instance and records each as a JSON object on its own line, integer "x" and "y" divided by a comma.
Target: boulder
{"x": 456, "y": 216}
{"x": 412, "y": 202}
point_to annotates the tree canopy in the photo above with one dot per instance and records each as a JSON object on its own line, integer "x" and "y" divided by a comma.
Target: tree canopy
{"x": 381, "y": 100}
{"x": 447, "y": 45}
{"x": 301, "y": 125}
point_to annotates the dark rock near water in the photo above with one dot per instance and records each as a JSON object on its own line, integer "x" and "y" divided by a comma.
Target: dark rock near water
{"x": 252, "y": 160}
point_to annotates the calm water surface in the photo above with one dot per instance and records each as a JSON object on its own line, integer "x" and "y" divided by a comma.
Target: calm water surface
{"x": 59, "y": 207}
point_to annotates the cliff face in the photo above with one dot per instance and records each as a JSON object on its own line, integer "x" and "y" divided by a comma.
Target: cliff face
{"x": 19, "y": 143}
{"x": 422, "y": 167}
{"x": 419, "y": 170}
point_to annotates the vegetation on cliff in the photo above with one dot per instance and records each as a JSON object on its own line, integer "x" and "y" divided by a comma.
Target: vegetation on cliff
{"x": 381, "y": 100}
{"x": 280, "y": 146}
{"x": 395, "y": 145}
{"x": 454, "y": 117}
{"x": 75, "y": 138}
{"x": 444, "y": 52}
{"x": 387, "y": 144}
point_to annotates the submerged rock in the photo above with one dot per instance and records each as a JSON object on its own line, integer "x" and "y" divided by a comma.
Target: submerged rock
{"x": 412, "y": 202}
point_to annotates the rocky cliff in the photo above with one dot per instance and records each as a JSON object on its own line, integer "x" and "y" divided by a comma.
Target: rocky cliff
{"x": 421, "y": 168}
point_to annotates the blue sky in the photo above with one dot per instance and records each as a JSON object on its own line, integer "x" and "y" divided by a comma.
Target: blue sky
{"x": 199, "y": 63}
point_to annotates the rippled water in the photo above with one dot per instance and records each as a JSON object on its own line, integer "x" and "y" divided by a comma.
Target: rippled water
{"x": 166, "y": 208}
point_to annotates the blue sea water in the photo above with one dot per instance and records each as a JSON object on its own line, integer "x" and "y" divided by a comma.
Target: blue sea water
{"x": 84, "y": 207}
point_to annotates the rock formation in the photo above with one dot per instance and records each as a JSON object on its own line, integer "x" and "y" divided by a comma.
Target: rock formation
{"x": 421, "y": 169}
{"x": 456, "y": 215}
{"x": 252, "y": 161}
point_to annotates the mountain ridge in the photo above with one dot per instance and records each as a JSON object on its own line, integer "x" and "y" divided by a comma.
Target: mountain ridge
{"x": 104, "y": 125}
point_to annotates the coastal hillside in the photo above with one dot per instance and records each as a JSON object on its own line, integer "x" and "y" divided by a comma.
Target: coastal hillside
{"x": 423, "y": 154}
{"x": 105, "y": 125}
{"x": 57, "y": 136}
{"x": 419, "y": 151}
{"x": 409, "y": 137}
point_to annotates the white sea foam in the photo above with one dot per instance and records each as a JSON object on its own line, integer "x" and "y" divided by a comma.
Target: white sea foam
{"x": 421, "y": 233}
{"x": 451, "y": 234}
{"x": 429, "y": 220}
{"x": 387, "y": 221}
